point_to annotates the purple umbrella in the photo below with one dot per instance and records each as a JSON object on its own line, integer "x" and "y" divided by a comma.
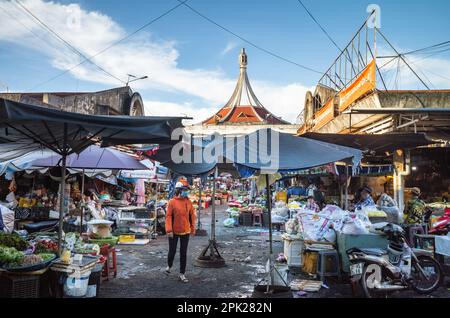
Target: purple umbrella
{"x": 94, "y": 157}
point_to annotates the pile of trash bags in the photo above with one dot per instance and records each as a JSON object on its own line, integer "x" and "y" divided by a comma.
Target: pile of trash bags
{"x": 323, "y": 226}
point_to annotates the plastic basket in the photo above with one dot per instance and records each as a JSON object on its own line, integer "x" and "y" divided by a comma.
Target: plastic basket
{"x": 22, "y": 213}
{"x": 20, "y": 286}
{"x": 127, "y": 238}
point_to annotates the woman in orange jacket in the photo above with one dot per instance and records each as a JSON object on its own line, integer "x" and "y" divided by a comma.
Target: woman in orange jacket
{"x": 180, "y": 223}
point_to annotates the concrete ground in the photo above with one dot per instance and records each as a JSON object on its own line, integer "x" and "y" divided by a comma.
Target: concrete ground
{"x": 245, "y": 250}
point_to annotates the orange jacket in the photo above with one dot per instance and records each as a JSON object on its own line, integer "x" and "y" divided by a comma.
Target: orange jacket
{"x": 180, "y": 217}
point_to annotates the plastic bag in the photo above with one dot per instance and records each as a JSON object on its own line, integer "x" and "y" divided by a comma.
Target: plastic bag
{"x": 280, "y": 204}
{"x": 354, "y": 226}
{"x": 329, "y": 235}
{"x": 393, "y": 214}
{"x": 229, "y": 222}
{"x": 283, "y": 212}
{"x": 292, "y": 226}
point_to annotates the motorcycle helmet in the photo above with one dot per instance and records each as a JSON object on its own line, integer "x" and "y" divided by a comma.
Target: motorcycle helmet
{"x": 182, "y": 184}
{"x": 395, "y": 252}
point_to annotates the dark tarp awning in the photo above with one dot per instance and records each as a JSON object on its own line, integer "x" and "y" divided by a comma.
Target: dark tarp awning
{"x": 378, "y": 143}
{"x": 24, "y": 124}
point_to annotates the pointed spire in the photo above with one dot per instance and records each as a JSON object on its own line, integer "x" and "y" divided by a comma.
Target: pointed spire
{"x": 243, "y": 59}
{"x": 243, "y": 106}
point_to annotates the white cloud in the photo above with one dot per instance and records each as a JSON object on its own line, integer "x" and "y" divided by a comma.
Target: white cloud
{"x": 158, "y": 108}
{"x": 91, "y": 31}
{"x": 434, "y": 71}
{"x": 228, "y": 48}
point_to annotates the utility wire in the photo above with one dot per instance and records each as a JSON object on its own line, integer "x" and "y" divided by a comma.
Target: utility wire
{"x": 427, "y": 48}
{"x": 70, "y": 46}
{"x": 438, "y": 46}
{"x": 403, "y": 59}
{"x": 319, "y": 25}
{"x": 22, "y": 24}
{"x": 113, "y": 44}
{"x": 248, "y": 41}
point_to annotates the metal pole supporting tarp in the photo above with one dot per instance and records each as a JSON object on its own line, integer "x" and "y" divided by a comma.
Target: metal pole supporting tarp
{"x": 82, "y": 202}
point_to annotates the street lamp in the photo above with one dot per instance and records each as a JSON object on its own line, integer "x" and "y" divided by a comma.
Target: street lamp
{"x": 134, "y": 78}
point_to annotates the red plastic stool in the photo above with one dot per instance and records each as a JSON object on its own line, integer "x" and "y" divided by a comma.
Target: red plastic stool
{"x": 111, "y": 261}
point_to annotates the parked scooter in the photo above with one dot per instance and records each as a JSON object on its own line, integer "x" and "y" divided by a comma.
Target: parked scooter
{"x": 442, "y": 225}
{"x": 400, "y": 267}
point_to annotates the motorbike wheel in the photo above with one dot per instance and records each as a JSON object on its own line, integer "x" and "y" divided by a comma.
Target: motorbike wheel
{"x": 432, "y": 267}
{"x": 372, "y": 273}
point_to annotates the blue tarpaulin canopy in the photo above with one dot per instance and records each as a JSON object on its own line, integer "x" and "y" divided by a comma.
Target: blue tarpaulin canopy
{"x": 265, "y": 151}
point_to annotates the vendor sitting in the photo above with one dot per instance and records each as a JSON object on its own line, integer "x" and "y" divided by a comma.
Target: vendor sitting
{"x": 312, "y": 205}
{"x": 415, "y": 208}
{"x": 366, "y": 199}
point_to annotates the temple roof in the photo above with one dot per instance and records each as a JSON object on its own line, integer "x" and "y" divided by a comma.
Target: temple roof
{"x": 244, "y": 106}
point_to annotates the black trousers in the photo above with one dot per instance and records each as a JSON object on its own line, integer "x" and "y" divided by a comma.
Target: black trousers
{"x": 184, "y": 240}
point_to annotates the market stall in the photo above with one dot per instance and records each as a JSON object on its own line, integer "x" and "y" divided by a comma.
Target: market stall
{"x": 31, "y": 127}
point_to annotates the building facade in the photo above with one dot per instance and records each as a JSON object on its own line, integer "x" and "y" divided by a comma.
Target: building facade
{"x": 116, "y": 101}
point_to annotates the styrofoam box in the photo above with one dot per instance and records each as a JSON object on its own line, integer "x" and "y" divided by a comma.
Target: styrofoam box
{"x": 293, "y": 251}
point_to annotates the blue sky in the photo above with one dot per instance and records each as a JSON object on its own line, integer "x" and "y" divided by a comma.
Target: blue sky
{"x": 192, "y": 64}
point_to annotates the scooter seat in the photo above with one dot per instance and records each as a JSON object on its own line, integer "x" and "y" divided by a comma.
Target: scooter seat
{"x": 374, "y": 251}
{"x": 36, "y": 227}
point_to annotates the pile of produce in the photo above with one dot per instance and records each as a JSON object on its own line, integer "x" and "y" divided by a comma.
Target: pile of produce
{"x": 12, "y": 258}
{"x": 34, "y": 259}
{"x": 13, "y": 240}
{"x": 29, "y": 260}
{"x": 46, "y": 246}
{"x": 9, "y": 256}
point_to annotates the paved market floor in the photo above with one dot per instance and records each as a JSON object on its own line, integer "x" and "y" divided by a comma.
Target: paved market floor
{"x": 245, "y": 249}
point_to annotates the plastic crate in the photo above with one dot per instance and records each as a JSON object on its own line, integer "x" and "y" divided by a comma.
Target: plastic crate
{"x": 293, "y": 251}
{"x": 20, "y": 286}
{"x": 247, "y": 219}
{"x": 21, "y": 213}
{"x": 40, "y": 213}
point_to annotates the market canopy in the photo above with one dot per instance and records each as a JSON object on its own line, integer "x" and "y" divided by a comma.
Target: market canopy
{"x": 379, "y": 143}
{"x": 22, "y": 163}
{"x": 94, "y": 157}
{"x": 265, "y": 151}
{"x": 66, "y": 132}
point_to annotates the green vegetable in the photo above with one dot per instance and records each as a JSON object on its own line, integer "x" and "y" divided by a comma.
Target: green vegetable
{"x": 10, "y": 256}
{"x": 111, "y": 241}
{"x": 13, "y": 240}
{"x": 46, "y": 256}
